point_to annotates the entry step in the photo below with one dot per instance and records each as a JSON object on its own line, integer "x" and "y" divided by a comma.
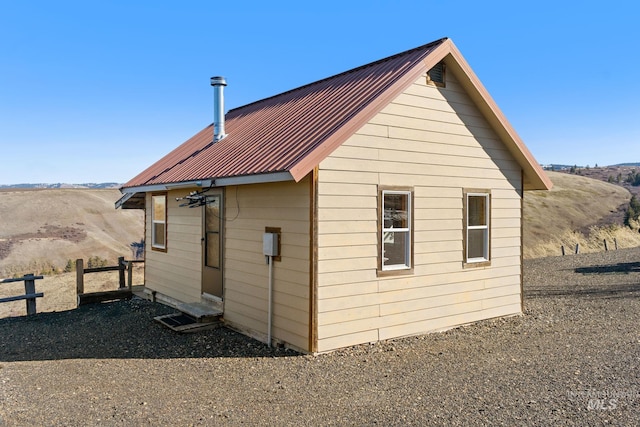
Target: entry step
{"x": 200, "y": 311}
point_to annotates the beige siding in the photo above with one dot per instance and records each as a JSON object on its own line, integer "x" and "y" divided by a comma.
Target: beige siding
{"x": 176, "y": 272}
{"x": 249, "y": 209}
{"x": 436, "y": 141}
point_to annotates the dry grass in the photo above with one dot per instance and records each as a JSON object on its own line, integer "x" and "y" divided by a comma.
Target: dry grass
{"x": 567, "y": 215}
{"x": 60, "y": 290}
{"x": 43, "y": 229}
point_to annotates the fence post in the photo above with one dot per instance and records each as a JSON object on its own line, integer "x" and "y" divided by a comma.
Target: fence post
{"x": 606, "y": 248}
{"x": 615, "y": 243}
{"x": 577, "y": 248}
{"x": 562, "y": 248}
{"x": 130, "y": 274}
{"x": 121, "y": 267}
{"x": 80, "y": 276}
{"x": 30, "y": 289}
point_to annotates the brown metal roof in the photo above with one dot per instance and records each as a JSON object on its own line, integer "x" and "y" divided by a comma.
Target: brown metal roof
{"x": 294, "y": 131}
{"x": 276, "y": 134}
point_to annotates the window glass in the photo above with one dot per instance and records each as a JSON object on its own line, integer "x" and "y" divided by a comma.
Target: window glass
{"x": 212, "y": 231}
{"x": 396, "y": 230}
{"x": 159, "y": 208}
{"x": 477, "y": 210}
{"x": 159, "y": 221}
{"x": 475, "y": 245}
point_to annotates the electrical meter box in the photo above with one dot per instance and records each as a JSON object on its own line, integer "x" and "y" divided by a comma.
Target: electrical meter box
{"x": 270, "y": 244}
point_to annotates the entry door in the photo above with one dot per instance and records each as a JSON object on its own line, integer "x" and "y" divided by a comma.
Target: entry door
{"x": 212, "y": 245}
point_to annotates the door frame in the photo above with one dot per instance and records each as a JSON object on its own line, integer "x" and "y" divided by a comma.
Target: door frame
{"x": 213, "y": 273}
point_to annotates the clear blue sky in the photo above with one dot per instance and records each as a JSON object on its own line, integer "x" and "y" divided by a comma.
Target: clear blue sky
{"x": 97, "y": 91}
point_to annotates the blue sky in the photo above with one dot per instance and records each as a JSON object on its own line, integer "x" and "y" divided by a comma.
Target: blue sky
{"x": 97, "y": 91}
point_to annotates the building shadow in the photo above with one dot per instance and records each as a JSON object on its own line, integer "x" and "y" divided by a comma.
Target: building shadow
{"x": 621, "y": 268}
{"x": 119, "y": 330}
{"x": 596, "y": 281}
{"x": 591, "y": 291}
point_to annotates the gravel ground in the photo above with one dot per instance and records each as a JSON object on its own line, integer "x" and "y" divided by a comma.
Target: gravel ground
{"x": 571, "y": 359}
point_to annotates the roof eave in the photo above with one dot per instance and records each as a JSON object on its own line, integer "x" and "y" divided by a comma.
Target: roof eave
{"x": 211, "y": 182}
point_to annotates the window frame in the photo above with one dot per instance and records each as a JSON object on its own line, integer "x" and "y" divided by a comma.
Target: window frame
{"x": 485, "y": 260}
{"x": 408, "y": 266}
{"x": 154, "y": 245}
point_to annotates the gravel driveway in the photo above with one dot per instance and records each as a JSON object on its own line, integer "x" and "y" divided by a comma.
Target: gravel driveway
{"x": 572, "y": 359}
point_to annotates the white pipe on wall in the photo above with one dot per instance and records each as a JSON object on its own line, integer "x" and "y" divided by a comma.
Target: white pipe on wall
{"x": 270, "y": 302}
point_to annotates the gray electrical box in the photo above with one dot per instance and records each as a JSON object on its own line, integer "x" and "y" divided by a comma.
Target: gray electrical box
{"x": 270, "y": 244}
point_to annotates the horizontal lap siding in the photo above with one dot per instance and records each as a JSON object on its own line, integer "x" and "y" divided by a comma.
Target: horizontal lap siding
{"x": 437, "y": 142}
{"x": 177, "y": 272}
{"x": 283, "y": 205}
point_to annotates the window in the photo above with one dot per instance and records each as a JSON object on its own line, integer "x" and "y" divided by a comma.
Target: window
{"x": 477, "y": 219}
{"x": 159, "y": 221}
{"x": 213, "y": 227}
{"x": 436, "y": 75}
{"x": 396, "y": 231}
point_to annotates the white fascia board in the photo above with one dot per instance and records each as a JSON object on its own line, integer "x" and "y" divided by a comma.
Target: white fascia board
{"x": 253, "y": 179}
{"x": 218, "y": 182}
{"x": 121, "y": 201}
{"x": 164, "y": 187}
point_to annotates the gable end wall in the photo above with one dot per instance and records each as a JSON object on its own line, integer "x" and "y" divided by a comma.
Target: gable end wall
{"x": 436, "y": 141}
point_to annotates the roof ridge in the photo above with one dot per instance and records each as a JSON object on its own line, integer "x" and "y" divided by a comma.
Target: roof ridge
{"x": 371, "y": 64}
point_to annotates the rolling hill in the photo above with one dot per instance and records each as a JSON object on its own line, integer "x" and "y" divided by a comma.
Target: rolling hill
{"x": 577, "y": 210}
{"x": 41, "y": 229}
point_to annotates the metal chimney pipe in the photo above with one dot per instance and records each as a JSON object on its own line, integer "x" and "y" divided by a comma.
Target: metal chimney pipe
{"x": 218, "y": 84}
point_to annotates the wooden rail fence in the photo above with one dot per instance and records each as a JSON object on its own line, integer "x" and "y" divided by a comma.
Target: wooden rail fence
{"x": 125, "y": 286}
{"x": 30, "y": 294}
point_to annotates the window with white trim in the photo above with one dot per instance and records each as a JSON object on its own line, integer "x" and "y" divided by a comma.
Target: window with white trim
{"x": 396, "y": 237}
{"x": 477, "y": 226}
{"x": 159, "y": 221}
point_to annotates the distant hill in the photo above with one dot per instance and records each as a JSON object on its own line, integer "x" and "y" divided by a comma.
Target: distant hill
{"x": 42, "y": 229}
{"x": 61, "y": 185}
{"x": 560, "y": 167}
{"x": 628, "y": 164}
{"x": 578, "y": 209}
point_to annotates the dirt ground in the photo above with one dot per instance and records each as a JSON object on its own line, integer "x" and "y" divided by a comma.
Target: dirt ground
{"x": 571, "y": 359}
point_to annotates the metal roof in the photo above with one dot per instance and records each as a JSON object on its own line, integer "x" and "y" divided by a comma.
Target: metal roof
{"x": 275, "y": 134}
{"x": 291, "y": 133}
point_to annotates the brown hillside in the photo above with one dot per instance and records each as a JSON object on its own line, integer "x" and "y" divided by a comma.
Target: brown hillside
{"x": 43, "y": 229}
{"x": 577, "y": 210}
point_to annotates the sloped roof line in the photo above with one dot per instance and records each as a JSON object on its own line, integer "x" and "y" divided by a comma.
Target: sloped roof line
{"x": 413, "y": 70}
{"x": 296, "y": 118}
{"x": 237, "y": 110}
{"x": 294, "y": 131}
{"x": 535, "y": 178}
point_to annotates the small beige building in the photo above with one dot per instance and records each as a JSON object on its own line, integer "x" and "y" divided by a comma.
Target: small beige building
{"x": 393, "y": 192}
